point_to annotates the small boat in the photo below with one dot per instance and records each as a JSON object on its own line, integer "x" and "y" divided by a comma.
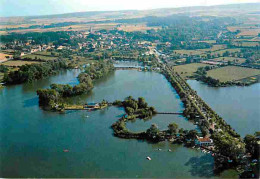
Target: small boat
{"x": 148, "y": 158}
{"x": 169, "y": 150}
{"x": 86, "y": 116}
{"x": 159, "y": 149}
{"x": 65, "y": 150}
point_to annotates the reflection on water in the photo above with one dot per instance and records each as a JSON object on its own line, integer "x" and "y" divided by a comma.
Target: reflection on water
{"x": 32, "y": 140}
{"x": 239, "y": 106}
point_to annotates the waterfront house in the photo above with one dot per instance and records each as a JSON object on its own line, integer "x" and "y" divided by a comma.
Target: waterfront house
{"x": 92, "y": 105}
{"x": 204, "y": 141}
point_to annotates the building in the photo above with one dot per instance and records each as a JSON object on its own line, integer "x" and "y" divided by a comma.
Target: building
{"x": 92, "y": 106}
{"x": 204, "y": 141}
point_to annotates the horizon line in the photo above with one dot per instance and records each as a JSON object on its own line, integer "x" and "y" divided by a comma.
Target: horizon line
{"x": 55, "y": 14}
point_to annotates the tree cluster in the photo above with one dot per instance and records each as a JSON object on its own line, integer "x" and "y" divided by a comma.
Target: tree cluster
{"x": 29, "y": 73}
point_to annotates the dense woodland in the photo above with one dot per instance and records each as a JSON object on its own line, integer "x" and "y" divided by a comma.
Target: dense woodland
{"x": 28, "y": 73}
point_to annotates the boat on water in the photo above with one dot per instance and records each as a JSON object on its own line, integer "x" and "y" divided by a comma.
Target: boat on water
{"x": 169, "y": 150}
{"x": 148, "y": 158}
{"x": 65, "y": 150}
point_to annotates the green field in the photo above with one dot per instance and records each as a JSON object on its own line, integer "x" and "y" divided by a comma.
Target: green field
{"x": 18, "y": 63}
{"x": 247, "y": 44}
{"x": 231, "y": 59}
{"x": 189, "y": 69}
{"x": 215, "y": 49}
{"x": 34, "y": 56}
{"x": 232, "y": 73}
{"x": 1, "y": 76}
{"x": 231, "y": 50}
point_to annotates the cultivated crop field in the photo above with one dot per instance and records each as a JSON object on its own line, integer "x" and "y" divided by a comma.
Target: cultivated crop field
{"x": 4, "y": 55}
{"x": 18, "y": 62}
{"x": 135, "y": 27}
{"x": 231, "y": 59}
{"x": 42, "y": 57}
{"x": 189, "y": 52}
{"x": 230, "y": 73}
{"x": 1, "y": 76}
{"x": 247, "y": 44}
{"x": 232, "y": 50}
{"x": 214, "y": 48}
{"x": 189, "y": 69}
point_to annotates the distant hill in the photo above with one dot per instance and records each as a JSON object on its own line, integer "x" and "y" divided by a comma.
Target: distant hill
{"x": 219, "y": 10}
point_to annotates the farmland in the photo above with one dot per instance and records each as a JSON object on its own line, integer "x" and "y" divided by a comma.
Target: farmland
{"x": 247, "y": 44}
{"x": 213, "y": 49}
{"x": 189, "y": 69}
{"x": 18, "y": 62}
{"x": 221, "y": 52}
{"x": 4, "y": 56}
{"x": 1, "y": 76}
{"x": 36, "y": 56}
{"x": 135, "y": 27}
{"x": 231, "y": 59}
{"x": 230, "y": 73}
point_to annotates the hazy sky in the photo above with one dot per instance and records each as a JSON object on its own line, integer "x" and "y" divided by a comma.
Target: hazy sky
{"x": 45, "y": 7}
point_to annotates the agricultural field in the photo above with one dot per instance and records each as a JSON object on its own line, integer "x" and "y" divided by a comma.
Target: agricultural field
{"x": 247, "y": 44}
{"x": 80, "y": 27}
{"x": 9, "y": 51}
{"x": 35, "y": 56}
{"x": 43, "y": 53}
{"x": 17, "y": 63}
{"x": 188, "y": 52}
{"x": 231, "y": 50}
{"x": 4, "y": 57}
{"x": 1, "y": 76}
{"x": 188, "y": 69}
{"x": 232, "y": 73}
{"x": 209, "y": 41}
{"x": 249, "y": 32}
{"x": 135, "y": 27}
{"x": 231, "y": 59}
{"x": 214, "y": 48}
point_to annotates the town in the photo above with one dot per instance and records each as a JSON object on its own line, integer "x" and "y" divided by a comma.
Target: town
{"x": 218, "y": 52}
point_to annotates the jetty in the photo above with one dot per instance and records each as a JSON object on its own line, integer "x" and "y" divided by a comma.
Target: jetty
{"x": 87, "y": 107}
{"x": 128, "y": 68}
{"x": 174, "y": 113}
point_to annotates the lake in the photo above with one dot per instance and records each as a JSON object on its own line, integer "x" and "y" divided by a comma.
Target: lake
{"x": 32, "y": 140}
{"x": 238, "y": 106}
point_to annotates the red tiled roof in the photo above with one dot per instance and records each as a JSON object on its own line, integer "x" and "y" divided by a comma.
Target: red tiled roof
{"x": 206, "y": 139}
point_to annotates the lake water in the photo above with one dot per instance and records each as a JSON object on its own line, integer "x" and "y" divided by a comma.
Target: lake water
{"x": 32, "y": 140}
{"x": 238, "y": 106}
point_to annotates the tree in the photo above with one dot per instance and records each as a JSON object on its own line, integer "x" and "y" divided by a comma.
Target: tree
{"x": 142, "y": 103}
{"x": 172, "y": 128}
{"x": 129, "y": 110}
{"x": 153, "y": 131}
{"x": 251, "y": 144}
{"x": 192, "y": 134}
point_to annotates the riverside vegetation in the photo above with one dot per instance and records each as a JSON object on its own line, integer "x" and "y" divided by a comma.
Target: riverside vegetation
{"x": 54, "y": 98}
{"x": 28, "y": 73}
{"x": 201, "y": 75}
{"x": 139, "y": 109}
{"x": 228, "y": 144}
